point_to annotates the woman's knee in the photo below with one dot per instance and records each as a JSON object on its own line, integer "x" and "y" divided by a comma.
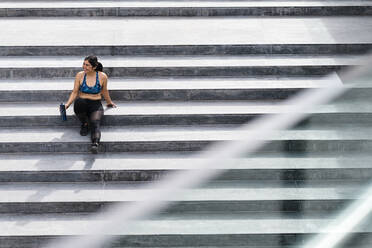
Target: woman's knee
{"x": 95, "y": 125}
{"x": 79, "y": 106}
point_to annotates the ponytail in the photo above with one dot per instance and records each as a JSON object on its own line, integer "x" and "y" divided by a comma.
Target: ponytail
{"x": 99, "y": 66}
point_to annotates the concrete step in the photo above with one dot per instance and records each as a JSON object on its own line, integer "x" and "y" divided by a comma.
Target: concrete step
{"x": 180, "y": 61}
{"x": 46, "y": 114}
{"x": 195, "y": 11}
{"x": 211, "y": 231}
{"x": 226, "y": 94}
{"x": 151, "y": 3}
{"x": 184, "y": 31}
{"x": 162, "y": 89}
{"x": 190, "y": 66}
{"x": 66, "y": 84}
{"x": 181, "y": 138}
{"x": 184, "y": 8}
{"x": 219, "y": 197}
{"x": 178, "y": 89}
{"x": 182, "y": 50}
{"x": 153, "y": 166}
{"x": 172, "y": 94}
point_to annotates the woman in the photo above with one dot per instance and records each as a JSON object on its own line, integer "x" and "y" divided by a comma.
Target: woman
{"x": 89, "y": 87}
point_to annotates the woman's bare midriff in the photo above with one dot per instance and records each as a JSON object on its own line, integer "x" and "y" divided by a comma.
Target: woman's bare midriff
{"x": 90, "y": 96}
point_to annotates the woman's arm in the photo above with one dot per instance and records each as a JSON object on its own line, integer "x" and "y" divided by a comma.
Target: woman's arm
{"x": 106, "y": 93}
{"x": 75, "y": 91}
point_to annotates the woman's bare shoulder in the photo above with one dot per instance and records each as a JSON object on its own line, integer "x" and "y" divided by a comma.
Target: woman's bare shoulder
{"x": 102, "y": 75}
{"x": 79, "y": 74}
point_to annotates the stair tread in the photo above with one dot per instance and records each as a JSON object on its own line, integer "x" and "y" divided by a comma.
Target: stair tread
{"x": 181, "y": 61}
{"x": 173, "y": 161}
{"x": 178, "y": 108}
{"x": 68, "y": 225}
{"x": 226, "y": 191}
{"x": 179, "y": 133}
{"x": 184, "y": 31}
{"x": 170, "y": 3}
{"x": 173, "y": 84}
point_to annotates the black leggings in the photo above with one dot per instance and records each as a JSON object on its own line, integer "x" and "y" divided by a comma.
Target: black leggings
{"x": 90, "y": 111}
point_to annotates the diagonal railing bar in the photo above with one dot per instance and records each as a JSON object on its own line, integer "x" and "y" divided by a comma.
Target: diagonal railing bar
{"x": 252, "y": 136}
{"x": 342, "y": 227}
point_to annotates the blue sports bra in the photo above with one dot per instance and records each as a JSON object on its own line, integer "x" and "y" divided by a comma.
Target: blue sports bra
{"x": 90, "y": 90}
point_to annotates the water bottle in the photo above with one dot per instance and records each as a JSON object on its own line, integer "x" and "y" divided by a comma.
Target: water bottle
{"x": 62, "y": 110}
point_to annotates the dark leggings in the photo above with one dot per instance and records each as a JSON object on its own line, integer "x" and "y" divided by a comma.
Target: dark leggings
{"x": 90, "y": 111}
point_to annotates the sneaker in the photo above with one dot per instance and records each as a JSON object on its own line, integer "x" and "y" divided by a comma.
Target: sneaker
{"x": 94, "y": 148}
{"x": 84, "y": 129}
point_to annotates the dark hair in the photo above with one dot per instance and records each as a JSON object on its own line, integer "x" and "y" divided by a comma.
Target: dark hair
{"x": 94, "y": 62}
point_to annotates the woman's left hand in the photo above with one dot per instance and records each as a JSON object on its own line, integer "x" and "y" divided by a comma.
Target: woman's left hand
{"x": 111, "y": 105}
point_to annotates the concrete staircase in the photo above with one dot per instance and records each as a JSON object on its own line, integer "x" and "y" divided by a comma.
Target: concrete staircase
{"x": 181, "y": 83}
{"x": 119, "y": 8}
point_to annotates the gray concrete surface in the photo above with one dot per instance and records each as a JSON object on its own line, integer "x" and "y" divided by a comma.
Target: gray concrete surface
{"x": 171, "y": 84}
{"x": 68, "y": 226}
{"x": 127, "y": 192}
{"x": 183, "y": 31}
{"x": 181, "y": 61}
{"x": 189, "y": 8}
{"x": 49, "y": 182}
{"x": 177, "y": 108}
{"x": 163, "y": 134}
{"x": 169, "y": 3}
{"x": 189, "y": 50}
{"x": 172, "y": 161}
